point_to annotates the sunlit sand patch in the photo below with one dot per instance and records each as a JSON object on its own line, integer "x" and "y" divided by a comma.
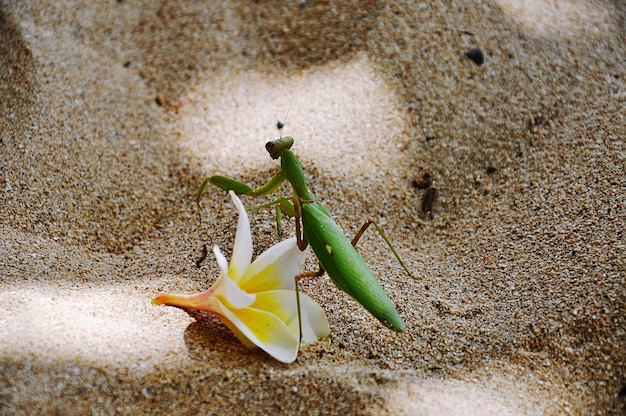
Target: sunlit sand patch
{"x": 498, "y": 396}
{"x": 225, "y": 126}
{"x": 547, "y": 17}
{"x": 101, "y": 324}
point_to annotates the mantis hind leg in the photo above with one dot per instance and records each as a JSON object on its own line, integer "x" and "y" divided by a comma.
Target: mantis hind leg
{"x": 364, "y": 227}
{"x": 358, "y": 235}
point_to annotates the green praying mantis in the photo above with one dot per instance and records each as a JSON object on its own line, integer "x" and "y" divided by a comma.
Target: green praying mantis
{"x": 314, "y": 226}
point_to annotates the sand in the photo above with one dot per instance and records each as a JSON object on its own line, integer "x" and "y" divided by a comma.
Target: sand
{"x": 112, "y": 113}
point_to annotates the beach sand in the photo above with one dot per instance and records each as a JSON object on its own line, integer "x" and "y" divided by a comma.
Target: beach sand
{"x": 112, "y": 113}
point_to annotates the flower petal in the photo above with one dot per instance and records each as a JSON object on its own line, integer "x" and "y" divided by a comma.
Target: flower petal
{"x": 240, "y": 336}
{"x": 314, "y": 320}
{"x": 271, "y": 323}
{"x": 231, "y": 295}
{"x": 274, "y": 269}
{"x": 265, "y": 330}
{"x": 283, "y": 304}
{"x": 242, "y": 252}
{"x": 221, "y": 260}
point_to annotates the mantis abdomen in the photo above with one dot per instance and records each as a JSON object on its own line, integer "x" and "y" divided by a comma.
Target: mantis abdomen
{"x": 345, "y": 266}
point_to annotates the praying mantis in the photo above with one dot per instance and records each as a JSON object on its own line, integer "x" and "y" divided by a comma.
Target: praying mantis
{"x": 314, "y": 226}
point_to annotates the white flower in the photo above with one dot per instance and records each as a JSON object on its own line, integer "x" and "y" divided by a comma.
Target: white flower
{"x": 257, "y": 301}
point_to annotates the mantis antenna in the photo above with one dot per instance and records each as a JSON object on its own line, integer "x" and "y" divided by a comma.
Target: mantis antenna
{"x": 281, "y": 124}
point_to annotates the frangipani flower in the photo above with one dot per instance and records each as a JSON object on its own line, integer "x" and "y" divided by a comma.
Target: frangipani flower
{"x": 257, "y": 301}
